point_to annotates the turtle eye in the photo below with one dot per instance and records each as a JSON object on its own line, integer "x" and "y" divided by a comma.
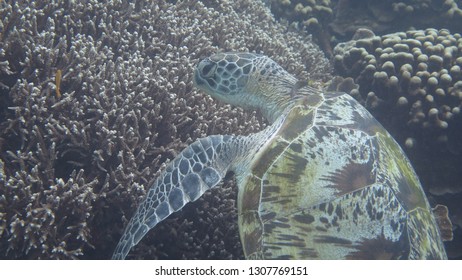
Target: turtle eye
{"x": 207, "y": 68}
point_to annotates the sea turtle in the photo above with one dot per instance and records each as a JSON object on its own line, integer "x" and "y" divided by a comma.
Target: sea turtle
{"x": 324, "y": 181}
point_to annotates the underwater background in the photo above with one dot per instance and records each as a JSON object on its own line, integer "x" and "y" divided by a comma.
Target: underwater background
{"x": 97, "y": 96}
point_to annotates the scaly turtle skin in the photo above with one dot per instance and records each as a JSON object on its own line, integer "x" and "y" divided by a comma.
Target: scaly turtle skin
{"x": 324, "y": 181}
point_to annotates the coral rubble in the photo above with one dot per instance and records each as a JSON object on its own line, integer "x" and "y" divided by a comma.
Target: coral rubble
{"x": 78, "y": 152}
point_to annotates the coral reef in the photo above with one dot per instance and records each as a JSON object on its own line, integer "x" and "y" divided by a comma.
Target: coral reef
{"x": 334, "y": 20}
{"x": 312, "y": 15}
{"x": 384, "y": 17}
{"x": 96, "y": 96}
{"x": 415, "y": 74}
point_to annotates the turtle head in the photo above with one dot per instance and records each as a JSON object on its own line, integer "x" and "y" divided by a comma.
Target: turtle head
{"x": 247, "y": 80}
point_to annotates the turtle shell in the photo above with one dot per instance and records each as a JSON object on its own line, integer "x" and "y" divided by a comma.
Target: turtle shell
{"x": 333, "y": 184}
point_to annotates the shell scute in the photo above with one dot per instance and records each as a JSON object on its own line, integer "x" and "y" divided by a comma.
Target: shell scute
{"x": 250, "y": 200}
{"x": 381, "y": 248}
{"x": 298, "y": 120}
{"x": 395, "y": 170}
{"x": 424, "y": 238}
{"x": 344, "y": 111}
{"x": 251, "y": 232}
{"x": 266, "y": 159}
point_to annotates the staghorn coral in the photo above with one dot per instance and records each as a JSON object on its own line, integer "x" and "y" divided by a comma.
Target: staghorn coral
{"x": 75, "y": 167}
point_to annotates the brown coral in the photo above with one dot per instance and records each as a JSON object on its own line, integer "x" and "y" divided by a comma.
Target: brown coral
{"x": 414, "y": 74}
{"x": 75, "y": 167}
{"x": 333, "y": 20}
{"x": 384, "y": 17}
{"x": 312, "y": 15}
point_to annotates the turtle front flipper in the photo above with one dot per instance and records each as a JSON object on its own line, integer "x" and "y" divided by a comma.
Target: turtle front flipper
{"x": 196, "y": 169}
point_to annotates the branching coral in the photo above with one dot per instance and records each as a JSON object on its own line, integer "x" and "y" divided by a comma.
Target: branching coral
{"x": 75, "y": 167}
